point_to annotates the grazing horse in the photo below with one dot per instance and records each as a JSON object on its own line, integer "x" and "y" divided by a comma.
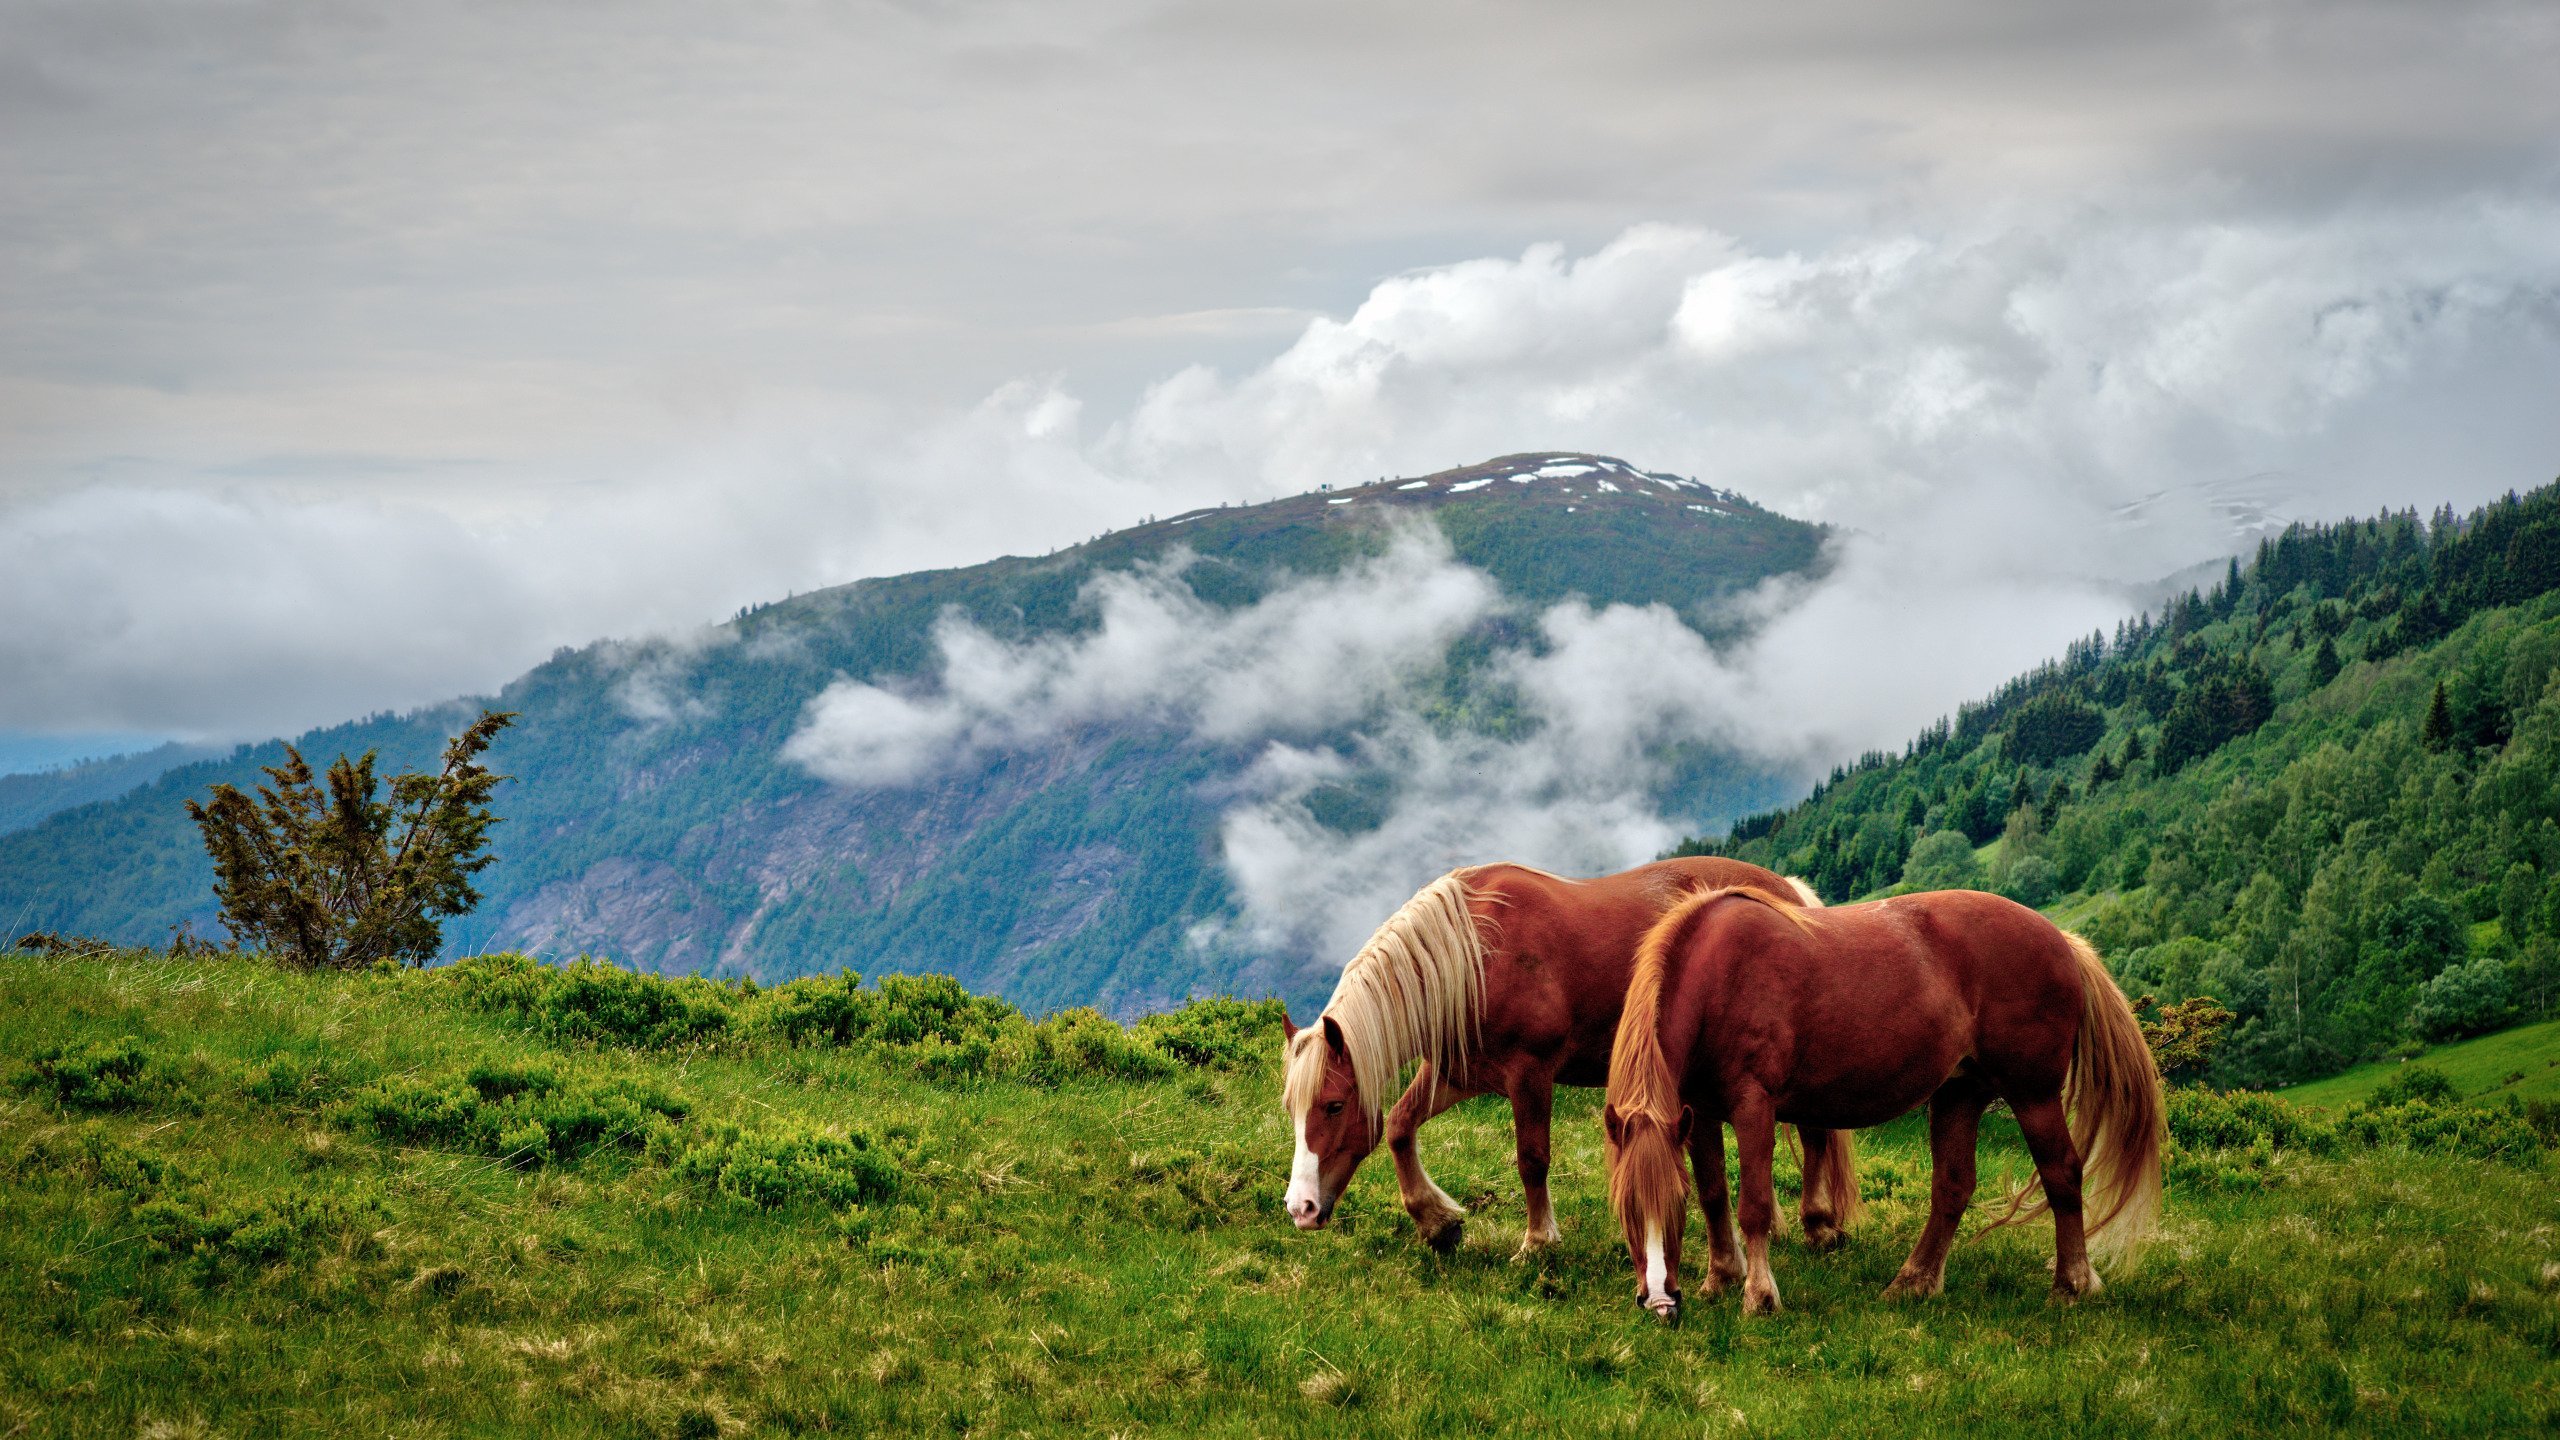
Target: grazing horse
{"x": 1748, "y": 1010}
{"x": 1503, "y": 979}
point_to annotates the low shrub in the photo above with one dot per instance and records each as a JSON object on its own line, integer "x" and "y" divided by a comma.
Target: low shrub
{"x": 900, "y": 1010}
{"x": 595, "y": 1002}
{"x": 217, "y": 1239}
{"x": 300, "y": 1082}
{"x": 92, "y": 1160}
{"x": 1220, "y": 1032}
{"x": 102, "y": 1075}
{"x": 608, "y": 1005}
{"x": 1085, "y": 1042}
{"x": 523, "y": 1114}
{"x": 2414, "y": 1082}
{"x": 2203, "y": 1120}
{"x": 2481, "y": 1132}
{"x": 775, "y": 1168}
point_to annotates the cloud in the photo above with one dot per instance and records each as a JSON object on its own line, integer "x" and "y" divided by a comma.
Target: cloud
{"x": 2079, "y": 354}
{"x": 1308, "y": 657}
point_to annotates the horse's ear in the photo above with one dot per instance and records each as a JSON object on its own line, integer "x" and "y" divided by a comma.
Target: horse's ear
{"x": 1288, "y": 1028}
{"x": 1333, "y": 1040}
{"x": 1688, "y": 1117}
{"x": 1615, "y": 1124}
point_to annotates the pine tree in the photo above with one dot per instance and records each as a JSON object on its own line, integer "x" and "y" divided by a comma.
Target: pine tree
{"x": 2324, "y": 663}
{"x": 341, "y": 880}
{"x": 2437, "y": 734}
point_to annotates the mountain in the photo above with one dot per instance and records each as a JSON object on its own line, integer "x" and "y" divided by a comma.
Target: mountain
{"x": 661, "y": 815}
{"x": 28, "y": 798}
{"x": 2325, "y": 792}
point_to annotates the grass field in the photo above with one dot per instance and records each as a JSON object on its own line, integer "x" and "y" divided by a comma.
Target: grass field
{"x": 209, "y": 1236}
{"x": 2523, "y": 1062}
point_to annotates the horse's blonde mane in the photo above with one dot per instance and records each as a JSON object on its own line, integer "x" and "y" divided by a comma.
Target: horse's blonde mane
{"x": 1412, "y": 993}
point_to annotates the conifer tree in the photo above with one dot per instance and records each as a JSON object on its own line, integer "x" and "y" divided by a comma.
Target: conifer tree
{"x": 2324, "y": 663}
{"x": 340, "y": 880}
{"x": 2437, "y": 733}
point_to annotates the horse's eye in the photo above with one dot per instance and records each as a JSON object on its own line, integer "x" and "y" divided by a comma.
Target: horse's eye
{"x": 1334, "y": 1109}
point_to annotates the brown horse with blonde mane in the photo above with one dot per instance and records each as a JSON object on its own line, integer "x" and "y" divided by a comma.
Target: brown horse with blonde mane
{"x": 1506, "y": 980}
{"x": 1745, "y": 1009}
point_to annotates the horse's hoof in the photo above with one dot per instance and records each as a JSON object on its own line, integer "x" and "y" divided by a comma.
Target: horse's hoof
{"x": 1447, "y": 1238}
{"x": 1913, "y": 1287}
{"x": 1824, "y": 1237}
{"x": 1759, "y": 1303}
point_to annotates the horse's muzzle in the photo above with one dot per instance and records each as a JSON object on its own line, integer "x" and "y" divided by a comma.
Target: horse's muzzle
{"x": 1309, "y": 1214}
{"x": 1666, "y": 1309}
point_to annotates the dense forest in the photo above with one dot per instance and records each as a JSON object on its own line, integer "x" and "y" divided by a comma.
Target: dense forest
{"x": 2323, "y": 791}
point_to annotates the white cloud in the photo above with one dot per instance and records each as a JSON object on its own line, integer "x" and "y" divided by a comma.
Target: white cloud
{"x": 1315, "y": 654}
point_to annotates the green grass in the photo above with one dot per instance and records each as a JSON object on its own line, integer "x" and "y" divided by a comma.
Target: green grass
{"x": 217, "y": 1244}
{"x": 2523, "y": 1062}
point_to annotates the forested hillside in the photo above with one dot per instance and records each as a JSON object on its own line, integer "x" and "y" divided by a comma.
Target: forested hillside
{"x": 2323, "y": 792}
{"x": 655, "y": 818}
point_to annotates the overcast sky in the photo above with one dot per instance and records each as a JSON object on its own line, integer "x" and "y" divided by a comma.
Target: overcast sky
{"x": 353, "y": 356}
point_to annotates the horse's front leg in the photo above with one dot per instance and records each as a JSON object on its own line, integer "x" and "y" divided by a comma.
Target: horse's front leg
{"x": 1706, "y": 1163}
{"x": 1440, "y": 1219}
{"x": 1532, "y": 1110}
{"x": 1755, "y": 1133}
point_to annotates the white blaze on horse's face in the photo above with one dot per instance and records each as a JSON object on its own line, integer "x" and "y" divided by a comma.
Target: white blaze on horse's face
{"x": 1657, "y": 1272}
{"x": 1304, "y": 1201}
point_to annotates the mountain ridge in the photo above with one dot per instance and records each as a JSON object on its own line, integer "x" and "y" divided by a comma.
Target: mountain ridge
{"x": 653, "y": 820}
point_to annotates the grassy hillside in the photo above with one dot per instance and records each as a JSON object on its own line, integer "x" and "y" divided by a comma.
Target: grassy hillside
{"x": 2325, "y": 792}
{"x": 652, "y": 818}
{"x": 498, "y": 1200}
{"x": 2523, "y": 1062}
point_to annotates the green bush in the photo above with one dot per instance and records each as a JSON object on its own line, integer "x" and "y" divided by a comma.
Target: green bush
{"x": 592, "y": 1001}
{"x": 1085, "y": 1042}
{"x": 2414, "y": 1082}
{"x": 2204, "y": 1120}
{"x": 300, "y": 1082}
{"x": 1220, "y": 1032}
{"x": 606, "y": 1004}
{"x": 102, "y": 1075}
{"x": 248, "y": 1234}
{"x": 523, "y": 1114}
{"x": 2480, "y": 1132}
{"x": 775, "y": 1168}
{"x": 94, "y": 1161}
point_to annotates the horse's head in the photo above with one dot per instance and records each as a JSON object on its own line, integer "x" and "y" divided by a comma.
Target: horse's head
{"x": 1649, "y": 1188}
{"x": 1335, "y": 1130}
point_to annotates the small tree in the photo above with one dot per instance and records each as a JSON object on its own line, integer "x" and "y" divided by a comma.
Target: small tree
{"x": 2183, "y": 1036}
{"x": 341, "y": 880}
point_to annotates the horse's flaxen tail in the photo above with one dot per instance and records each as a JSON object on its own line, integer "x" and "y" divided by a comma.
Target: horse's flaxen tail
{"x": 1840, "y": 1179}
{"x": 2118, "y": 1117}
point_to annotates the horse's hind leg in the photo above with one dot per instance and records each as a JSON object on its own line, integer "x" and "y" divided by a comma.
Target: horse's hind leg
{"x": 2058, "y": 1168}
{"x": 1706, "y": 1162}
{"x": 1755, "y": 1133}
{"x": 1813, "y": 1206}
{"x": 1532, "y": 1107}
{"x": 1441, "y": 1219}
{"x": 1955, "y": 1121}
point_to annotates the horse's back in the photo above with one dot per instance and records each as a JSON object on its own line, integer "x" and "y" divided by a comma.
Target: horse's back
{"x": 1562, "y": 949}
{"x": 1863, "y": 1011}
